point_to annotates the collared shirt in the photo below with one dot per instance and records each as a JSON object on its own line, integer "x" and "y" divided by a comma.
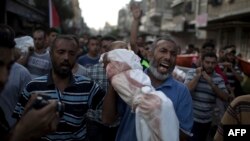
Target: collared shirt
{"x": 174, "y": 90}
{"x": 203, "y": 96}
{"x": 98, "y": 74}
{"x": 81, "y": 95}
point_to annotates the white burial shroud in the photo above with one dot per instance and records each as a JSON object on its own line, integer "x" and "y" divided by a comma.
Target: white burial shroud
{"x": 156, "y": 119}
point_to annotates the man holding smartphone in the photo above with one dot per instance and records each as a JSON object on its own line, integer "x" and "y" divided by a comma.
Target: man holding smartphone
{"x": 77, "y": 93}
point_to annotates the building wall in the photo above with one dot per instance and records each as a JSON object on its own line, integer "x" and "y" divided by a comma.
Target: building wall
{"x": 230, "y": 20}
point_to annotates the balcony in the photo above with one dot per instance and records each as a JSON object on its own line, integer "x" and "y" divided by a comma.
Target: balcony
{"x": 155, "y": 14}
{"x": 176, "y": 25}
{"x": 228, "y": 9}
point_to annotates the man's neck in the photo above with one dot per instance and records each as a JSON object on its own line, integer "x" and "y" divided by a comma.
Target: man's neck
{"x": 92, "y": 55}
{"x": 155, "y": 82}
{"x": 40, "y": 50}
{"x": 60, "y": 83}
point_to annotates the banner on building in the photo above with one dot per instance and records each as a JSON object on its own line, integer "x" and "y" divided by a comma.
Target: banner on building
{"x": 201, "y": 20}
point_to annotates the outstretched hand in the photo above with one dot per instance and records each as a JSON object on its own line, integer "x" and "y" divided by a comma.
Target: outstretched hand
{"x": 136, "y": 11}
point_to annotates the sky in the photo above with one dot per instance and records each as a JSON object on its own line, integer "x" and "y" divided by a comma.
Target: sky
{"x": 97, "y": 12}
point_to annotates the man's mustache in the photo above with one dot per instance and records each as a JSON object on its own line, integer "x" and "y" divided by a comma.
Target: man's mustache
{"x": 65, "y": 64}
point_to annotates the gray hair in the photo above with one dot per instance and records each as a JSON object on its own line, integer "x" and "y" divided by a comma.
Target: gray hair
{"x": 165, "y": 38}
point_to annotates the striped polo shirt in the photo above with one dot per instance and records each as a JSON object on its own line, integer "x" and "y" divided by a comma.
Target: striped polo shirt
{"x": 204, "y": 98}
{"x": 82, "y": 94}
{"x": 230, "y": 76}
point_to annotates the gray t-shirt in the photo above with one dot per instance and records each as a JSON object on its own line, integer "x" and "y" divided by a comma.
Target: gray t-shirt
{"x": 18, "y": 78}
{"x": 39, "y": 64}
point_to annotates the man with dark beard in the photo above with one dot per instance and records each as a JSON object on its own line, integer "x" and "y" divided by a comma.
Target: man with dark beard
{"x": 205, "y": 86}
{"x": 35, "y": 122}
{"x": 77, "y": 93}
{"x": 162, "y": 64}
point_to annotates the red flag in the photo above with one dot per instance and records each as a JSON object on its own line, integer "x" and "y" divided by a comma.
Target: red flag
{"x": 54, "y": 20}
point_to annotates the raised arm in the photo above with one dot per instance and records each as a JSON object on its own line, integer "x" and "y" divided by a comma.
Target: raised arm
{"x": 219, "y": 91}
{"x": 191, "y": 84}
{"x": 137, "y": 13}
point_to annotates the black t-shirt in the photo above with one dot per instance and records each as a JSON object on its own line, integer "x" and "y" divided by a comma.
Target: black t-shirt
{"x": 4, "y": 126}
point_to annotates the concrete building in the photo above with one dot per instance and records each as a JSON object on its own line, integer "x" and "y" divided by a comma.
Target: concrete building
{"x": 23, "y": 15}
{"x": 195, "y": 21}
{"x": 229, "y": 23}
{"x": 78, "y": 25}
{"x": 124, "y": 21}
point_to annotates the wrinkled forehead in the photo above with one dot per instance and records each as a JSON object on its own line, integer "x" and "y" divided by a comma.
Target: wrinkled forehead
{"x": 166, "y": 44}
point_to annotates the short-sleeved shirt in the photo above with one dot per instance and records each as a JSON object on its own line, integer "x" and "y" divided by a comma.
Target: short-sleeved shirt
{"x": 88, "y": 61}
{"x": 182, "y": 101}
{"x": 204, "y": 98}
{"x": 81, "y": 95}
{"x": 98, "y": 74}
{"x": 39, "y": 64}
{"x": 18, "y": 78}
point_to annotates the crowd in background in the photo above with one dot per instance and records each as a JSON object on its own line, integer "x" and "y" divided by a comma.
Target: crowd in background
{"x": 67, "y": 69}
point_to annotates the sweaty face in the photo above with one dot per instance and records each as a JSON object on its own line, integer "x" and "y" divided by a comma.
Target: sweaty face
{"x": 163, "y": 61}
{"x": 63, "y": 57}
{"x": 39, "y": 39}
{"x": 209, "y": 64}
{"x": 6, "y": 61}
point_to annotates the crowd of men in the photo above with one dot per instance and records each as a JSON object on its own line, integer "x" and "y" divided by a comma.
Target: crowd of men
{"x": 65, "y": 69}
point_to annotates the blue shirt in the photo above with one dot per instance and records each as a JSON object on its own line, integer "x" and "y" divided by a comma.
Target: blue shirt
{"x": 81, "y": 95}
{"x": 88, "y": 61}
{"x": 18, "y": 78}
{"x": 182, "y": 101}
